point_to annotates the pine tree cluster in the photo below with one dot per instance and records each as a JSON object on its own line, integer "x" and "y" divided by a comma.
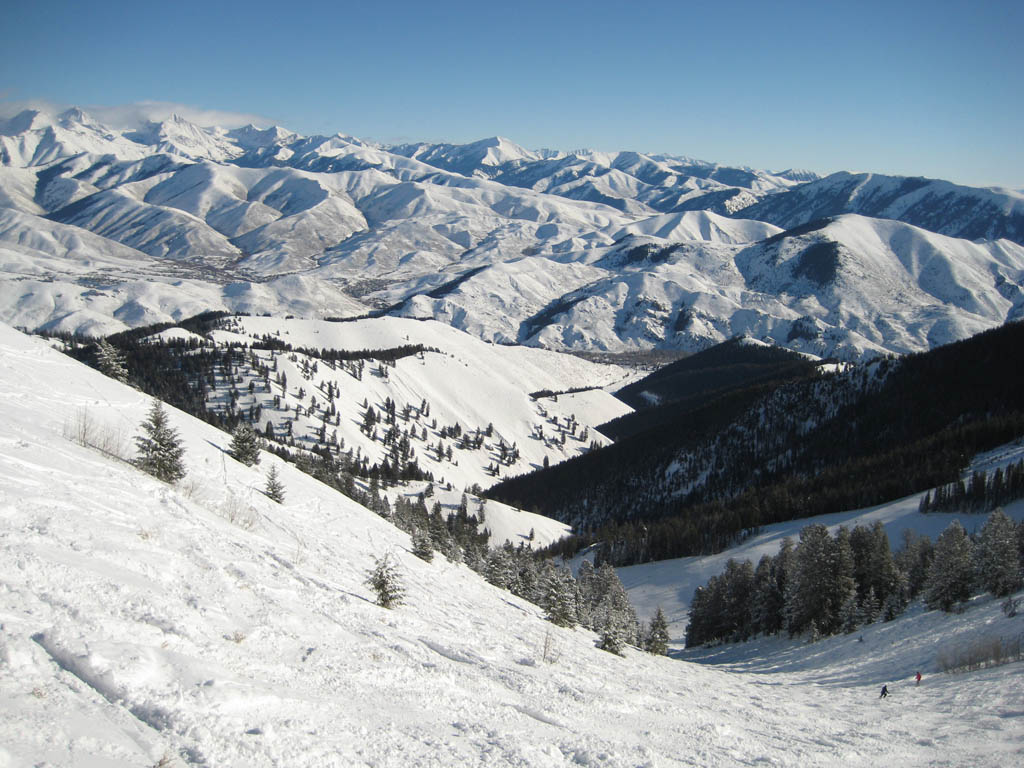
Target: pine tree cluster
{"x": 828, "y": 584}
{"x": 982, "y": 493}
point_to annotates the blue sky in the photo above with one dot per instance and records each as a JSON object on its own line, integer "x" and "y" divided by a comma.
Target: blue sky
{"x": 917, "y": 88}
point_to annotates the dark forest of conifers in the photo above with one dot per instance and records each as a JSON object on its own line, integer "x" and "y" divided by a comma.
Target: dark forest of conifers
{"x": 714, "y": 466}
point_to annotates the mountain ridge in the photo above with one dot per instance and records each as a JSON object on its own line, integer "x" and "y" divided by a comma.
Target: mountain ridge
{"x": 598, "y": 251}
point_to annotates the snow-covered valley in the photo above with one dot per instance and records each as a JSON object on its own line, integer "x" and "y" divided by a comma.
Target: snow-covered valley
{"x": 203, "y": 624}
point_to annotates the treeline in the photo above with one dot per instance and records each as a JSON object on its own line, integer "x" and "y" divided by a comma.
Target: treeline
{"x": 706, "y": 528}
{"x": 552, "y": 393}
{"x": 827, "y": 584}
{"x": 862, "y": 437}
{"x": 981, "y": 493}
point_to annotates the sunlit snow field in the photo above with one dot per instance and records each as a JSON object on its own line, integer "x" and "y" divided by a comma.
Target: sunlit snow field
{"x": 206, "y": 625}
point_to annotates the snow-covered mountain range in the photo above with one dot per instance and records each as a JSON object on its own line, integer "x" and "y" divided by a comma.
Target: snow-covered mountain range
{"x": 103, "y": 229}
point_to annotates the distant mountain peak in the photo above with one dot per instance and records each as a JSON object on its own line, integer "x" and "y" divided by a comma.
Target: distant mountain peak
{"x": 24, "y": 121}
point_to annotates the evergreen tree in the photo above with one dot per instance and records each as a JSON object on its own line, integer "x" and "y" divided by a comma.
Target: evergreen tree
{"x": 383, "y": 580}
{"x": 998, "y": 560}
{"x": 698, "y": 627}
{"x": 559, "y": 596}
{"x": 657, "y": 638}
{"x": 815, "y": 593}
{"x": 613, "y": 617}
{"x": 422, "y": 545}
{"x": 896, "y": 601}
{"x": 870, "y": 608}
{"x": 767, "y": 600}
{"x": 1020, "y": 542}
{"x": 849, "y": 613}
{"x": 499, "y": 569}
{"x": 770, "y": 580}
{"x": 612, "y": 639}
{"x": 914, "y": 560}
{"x": 885, "y": 574}
{"x": 274, "y": 487}
{"x": 245, "y": 445}
{"x": 585, "y": 601}
{"x": 739, "y": 588}
{"x": 160, "y": 450}
{"x": 110, "y": 361}
{"x": 951, "y": 575}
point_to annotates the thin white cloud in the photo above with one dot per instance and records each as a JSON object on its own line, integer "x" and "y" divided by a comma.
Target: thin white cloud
{"x": 127, "y": 116}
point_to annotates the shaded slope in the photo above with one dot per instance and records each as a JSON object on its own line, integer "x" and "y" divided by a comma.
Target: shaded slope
{"x": 868, "y": 435}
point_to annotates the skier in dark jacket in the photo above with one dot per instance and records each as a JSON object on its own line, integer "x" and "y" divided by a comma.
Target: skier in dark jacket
{"x": 885, "y": 691}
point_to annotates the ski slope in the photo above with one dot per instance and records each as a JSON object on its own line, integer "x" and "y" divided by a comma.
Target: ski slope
{"x": 202, "y": 624}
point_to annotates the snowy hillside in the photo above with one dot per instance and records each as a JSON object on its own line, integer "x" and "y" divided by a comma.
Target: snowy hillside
{"x": 145, "y": 624}
{"x": 585, "y": 250}
{"x": 939, "y": 206}
{"x": 850, "y": 288}
{"x": 455, "y": 382}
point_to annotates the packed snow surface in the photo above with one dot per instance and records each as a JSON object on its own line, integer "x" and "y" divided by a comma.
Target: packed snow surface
{"x": 203, "y": 624}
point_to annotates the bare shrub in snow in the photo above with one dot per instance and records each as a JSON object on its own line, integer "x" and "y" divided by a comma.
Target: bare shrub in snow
{"x": 82, "y": 429}
{"x": 980, "y": 653}
{"x": 239, "y": 511}
{"x": 551, "y": 652}
{"x": 190, "y": 487}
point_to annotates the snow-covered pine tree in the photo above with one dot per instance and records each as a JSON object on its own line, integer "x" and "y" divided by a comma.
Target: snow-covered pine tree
{"x": 871, "y": 608}
{"x": 738, "y": 589}
{"x": 768, "y": 600}
{"x": 698, "y": 628}
{"x": 612, "y": 639}
{"x": 422, "y": 545}
{"x": 110, "y": 361}
{"x": 383, "y": 580}
{"x": 896, "y": 601}
{"x": 913, "y": 560}
{"x": 274, "y": 487}
{"x": 951, "y": 575}
{"x": 499, "y": 569}
{"x": 559, "y": 598}
{"x": 614, "y": 618}
{"x": 160, "y": 450}
{"x": 998, "y": 561}
{"x": 813, "y": 593}
{"x": 657, "y": 638}
{"x": 585, "y": 576}
{"x": 849, "y": 613}
{"x": 874, "y": 566}
{"x": 245, "y": 444}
